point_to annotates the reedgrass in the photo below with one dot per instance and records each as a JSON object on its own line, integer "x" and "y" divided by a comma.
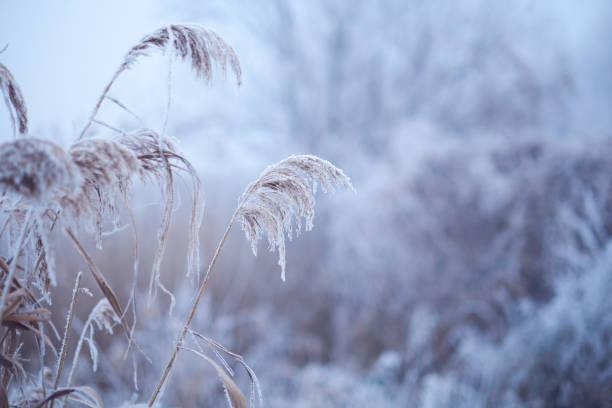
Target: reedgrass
{"x": 80, "y": 188}
{"x": 14, "y": 101}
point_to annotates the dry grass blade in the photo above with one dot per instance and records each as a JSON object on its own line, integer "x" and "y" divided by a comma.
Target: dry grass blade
{"x": 10, "y": 276}
{"x": 14, "y": 300}
{"x": 14, "y": 101}
{"x": 56, "y": 394}
{"x": 30, "y": 316}
{"x": 106, "y": 289}
{"x": 282, "y": 194}
{"x": 84, "y": 395}
{"x": 87, "y": 396}
{"x": 235, "y": 398}
{"x": 21, "y": 325}
{"x": 255, "y": 387}
{"x": 14, "y": 368}
{"x": 109, "y": 293}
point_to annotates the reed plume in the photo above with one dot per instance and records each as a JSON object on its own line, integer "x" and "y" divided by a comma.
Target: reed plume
{"x": 282, "y": 195}
{"x": 191, "y": 42}
{"x": 199, "y": 45}
{"x": 15, "y": 103}
{"x": 106, "y": 168}
{"x": 43, "y": 185}
{"x": 283, "y": 192}
{"x": 37, "y": 170}
{"x": 159, "y": 158}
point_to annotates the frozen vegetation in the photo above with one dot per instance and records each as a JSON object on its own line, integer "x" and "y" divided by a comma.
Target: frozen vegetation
{"x": 472, "y": 268}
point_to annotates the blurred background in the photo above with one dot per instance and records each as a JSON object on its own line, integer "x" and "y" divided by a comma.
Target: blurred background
{"x": 474, "y": 266}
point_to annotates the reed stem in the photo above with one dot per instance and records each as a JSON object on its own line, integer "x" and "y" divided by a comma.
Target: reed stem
{"x": 185, "y": 330}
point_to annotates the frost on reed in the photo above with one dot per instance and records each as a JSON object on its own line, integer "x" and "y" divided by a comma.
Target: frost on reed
{"x": 193, "y": 43}
{"x": 101, "y": 317}
{"x": 14, "y": 101}
{"x": 282, "y": 195}
{"x": 44, "y": 187}
{"x": 37, "y": 170}
{"x": 284, "y": 192}
{"x": 159, "y": 159}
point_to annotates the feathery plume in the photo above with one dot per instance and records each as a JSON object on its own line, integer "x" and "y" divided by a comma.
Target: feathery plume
{"x": 283, "y": 191}
{"x": 189, "y": 42}
{"x": 14, "y": 101}
{"x": 159, "y": 158}
{"x": 106, "y": 168}
{"x": 104, "y": 163}
{"x": 37, "y": 169}
{"x": 282, "y": 195}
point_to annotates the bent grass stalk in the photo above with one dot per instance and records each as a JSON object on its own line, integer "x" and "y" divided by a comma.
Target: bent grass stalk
{"x": 282, "y": 194}
{"x": 191, "y": 315}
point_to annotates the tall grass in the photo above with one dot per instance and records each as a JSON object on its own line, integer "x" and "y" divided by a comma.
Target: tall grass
{"x": 80, "y": 188}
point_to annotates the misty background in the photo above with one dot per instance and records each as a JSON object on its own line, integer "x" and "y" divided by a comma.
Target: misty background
{"x": 474, "y": 265}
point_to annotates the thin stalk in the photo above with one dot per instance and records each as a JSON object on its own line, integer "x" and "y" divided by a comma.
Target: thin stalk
{"x": 108, "y": 292}
{"x": 168, "y": 89}
{"x": 77, "y": 351}
{"x": 36, "y": 266}
{"x": 125, "y": 108}
{"x": 106, "y": 125}
{"x": 132, "y": 298}
{"x": 98, "y": 105}
{"x": 62, "y": 357}
{"x": 41, "y": 355}
{"x": 185, "y": 330}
